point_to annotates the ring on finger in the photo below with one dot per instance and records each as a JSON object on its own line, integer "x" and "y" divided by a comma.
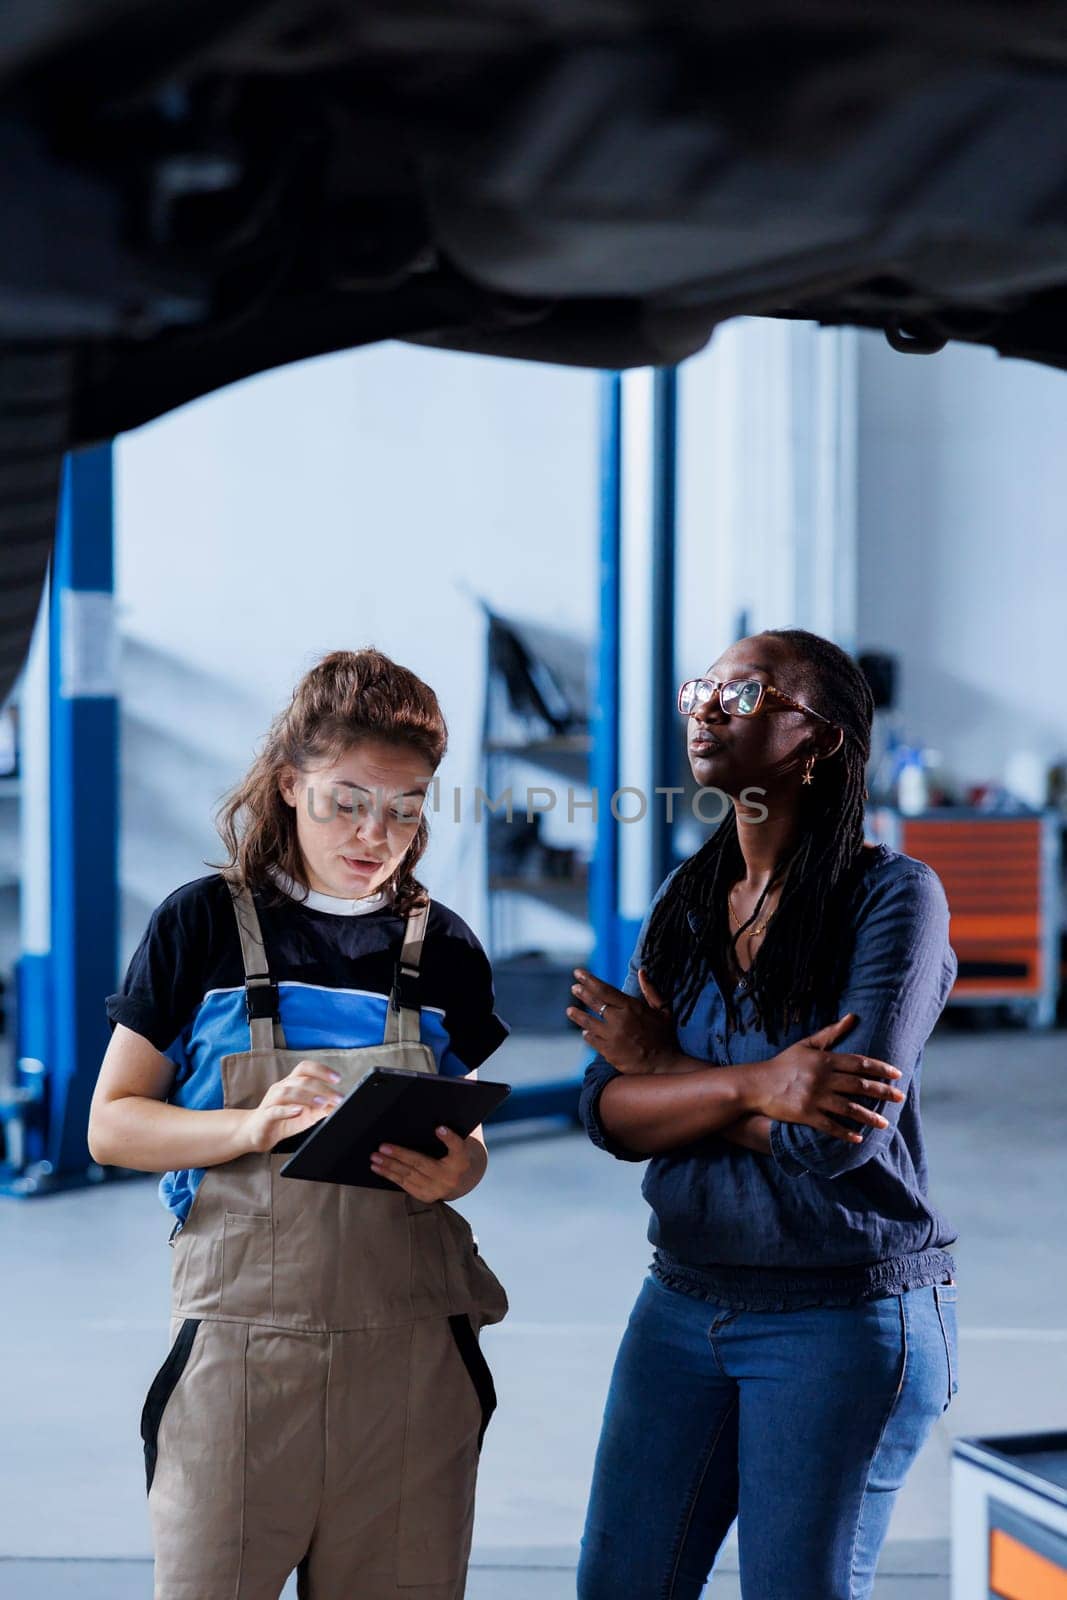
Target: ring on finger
{"x": 602, "y": 1010}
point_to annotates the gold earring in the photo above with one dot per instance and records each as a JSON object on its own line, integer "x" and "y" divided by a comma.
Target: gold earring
{"x": 809, "y": 769}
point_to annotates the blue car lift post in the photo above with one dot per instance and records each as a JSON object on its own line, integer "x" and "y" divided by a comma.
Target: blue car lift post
{"x": 69, "y": 959}
{"x": 615, "y": 932}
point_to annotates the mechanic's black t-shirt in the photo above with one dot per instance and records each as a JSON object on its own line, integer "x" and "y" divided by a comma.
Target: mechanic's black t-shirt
{"x": 184, "y": 988}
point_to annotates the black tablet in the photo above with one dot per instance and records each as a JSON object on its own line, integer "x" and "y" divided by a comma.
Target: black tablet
{"x": 390, "y": 1106}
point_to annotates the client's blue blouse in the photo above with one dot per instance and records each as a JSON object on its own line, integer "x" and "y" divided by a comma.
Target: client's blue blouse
{"x": 817, "y": 1221}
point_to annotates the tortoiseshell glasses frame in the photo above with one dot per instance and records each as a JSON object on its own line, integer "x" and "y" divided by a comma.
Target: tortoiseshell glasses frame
{"x": 739, "y": 697}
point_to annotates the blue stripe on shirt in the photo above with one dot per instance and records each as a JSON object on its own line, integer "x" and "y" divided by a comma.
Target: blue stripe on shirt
{"x": 312, "y": 1017}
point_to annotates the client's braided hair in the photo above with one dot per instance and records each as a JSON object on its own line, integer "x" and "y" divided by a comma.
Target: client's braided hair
{"x": 804, "y": 955}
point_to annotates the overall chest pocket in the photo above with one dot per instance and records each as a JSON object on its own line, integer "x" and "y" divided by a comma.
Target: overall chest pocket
{"x": 247, "y": 1265}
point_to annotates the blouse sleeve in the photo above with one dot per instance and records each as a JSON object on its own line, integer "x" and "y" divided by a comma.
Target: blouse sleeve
{"x": 900, "y": 977}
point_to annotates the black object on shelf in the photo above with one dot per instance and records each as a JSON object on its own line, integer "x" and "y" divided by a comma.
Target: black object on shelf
{"x": 544, "y": 675}
{"x": 511, "y": 844}
{"x": 537, "y": 713}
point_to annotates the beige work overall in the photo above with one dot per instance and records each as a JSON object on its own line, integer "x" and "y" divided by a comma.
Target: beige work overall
{"x": 324, "y": 1399}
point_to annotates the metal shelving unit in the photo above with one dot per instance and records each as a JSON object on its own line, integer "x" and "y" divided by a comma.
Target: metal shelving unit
{"x": 535, "y": 736}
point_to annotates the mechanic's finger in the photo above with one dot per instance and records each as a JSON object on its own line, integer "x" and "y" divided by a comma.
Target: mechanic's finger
{"x": 388, "y": 1168}
{"x": 288, "y": 1093}
{"x": 400, "y": 1177}
{"x": 314, "y": 1095}
{"x": 407, "y": 1178}
{"x": 314, "y": 1071}
{"x": 426, "y": 1166}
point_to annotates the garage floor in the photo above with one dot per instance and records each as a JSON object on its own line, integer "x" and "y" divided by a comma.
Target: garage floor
{"x": 85, "y": 1327}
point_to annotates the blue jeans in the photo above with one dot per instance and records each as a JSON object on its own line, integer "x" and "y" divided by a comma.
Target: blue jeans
{"x": 801, "y": 1424}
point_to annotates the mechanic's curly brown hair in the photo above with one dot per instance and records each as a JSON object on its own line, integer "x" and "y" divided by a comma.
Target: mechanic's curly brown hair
{"x": 349, "y": 696}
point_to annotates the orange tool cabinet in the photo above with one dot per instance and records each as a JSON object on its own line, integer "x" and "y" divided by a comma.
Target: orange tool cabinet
{"x": 1002, "y": 879}
{"x": 1009, "y": 1518}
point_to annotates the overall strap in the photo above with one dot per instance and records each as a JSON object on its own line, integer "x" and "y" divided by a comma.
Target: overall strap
{"x": 261, "y": 992}
{"x": 402, "y": 1020}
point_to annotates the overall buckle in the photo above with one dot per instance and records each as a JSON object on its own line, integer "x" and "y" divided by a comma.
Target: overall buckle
{"x": 261, "y": 1000}
{"x": 405, "y": 995}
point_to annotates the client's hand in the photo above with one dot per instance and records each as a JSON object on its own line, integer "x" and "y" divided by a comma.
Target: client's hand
{"x": 811, "y": 1083}
{"x": 446, "y": 1177}
{"x": 634, "y": 1035}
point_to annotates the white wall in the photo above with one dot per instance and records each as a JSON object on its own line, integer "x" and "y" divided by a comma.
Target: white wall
{"x": 962, "y": 513}
{"x": 359, "y": 499}
{"x": 766, "y": 503}
{"x": 766, "y": 496}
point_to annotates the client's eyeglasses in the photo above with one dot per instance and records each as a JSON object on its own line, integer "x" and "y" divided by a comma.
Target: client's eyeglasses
{"x": 741, "y": 697}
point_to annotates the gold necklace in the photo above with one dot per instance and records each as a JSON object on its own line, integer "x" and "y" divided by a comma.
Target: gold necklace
{"x": 751, "y": 933}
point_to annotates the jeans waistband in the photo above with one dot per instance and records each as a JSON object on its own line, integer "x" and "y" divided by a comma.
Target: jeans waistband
{"x": 751, "y": 1288}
